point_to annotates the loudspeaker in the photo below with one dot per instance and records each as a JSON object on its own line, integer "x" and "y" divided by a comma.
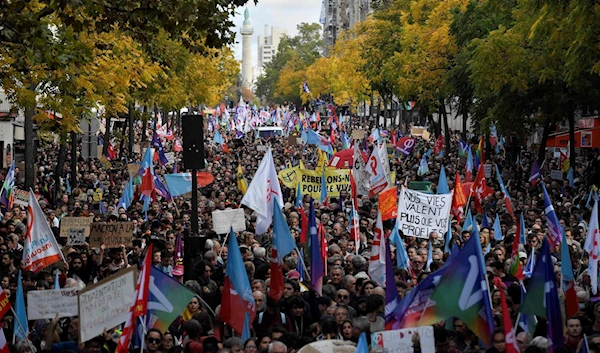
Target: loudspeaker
{"x": 193, "y": 141}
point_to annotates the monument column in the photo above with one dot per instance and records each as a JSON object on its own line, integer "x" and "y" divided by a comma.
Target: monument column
{"x": 246, "y": 32}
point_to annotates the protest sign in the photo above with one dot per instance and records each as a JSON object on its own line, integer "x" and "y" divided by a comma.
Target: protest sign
{"x": 358, "y": 134}
{"x": 133, "y": 168}
{"x": 21, "y": 197}
{"x": 261, "y": 148}
{"x": 387, "y": 203}
{"x": 420, "y": 214}
{"x": 105, "y": 304}
{"x": 75, "y": 223}
{"x": 556, "y": 174}
{"x": 170, "y": 157}
{"x": 112, "y": 235}
{"x": 336, "y": 180}
{"x": 76, "y": 237}
{"x": 487, "y": 169}
{"x": 46, "y": 304}
{"x": 400, "y": 341}
{"x": 288, "y": 177}
{"x": 223, "y": 221}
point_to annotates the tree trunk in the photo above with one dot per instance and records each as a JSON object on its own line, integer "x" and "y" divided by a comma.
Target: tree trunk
{"x": 130, "y": 131}
{"x": 73, "y": 178}
{"x": 60, "y": 166}
{"x": 121, "y": 147}
{"x": 545, "y": 134}
{"x": 144, "y": 125}
{"x": 30, "y": 151}
{"x": 465, "y": 115}
{"x": 179, "y": 120}
{"x": 155, "y": 121}
{"x": 106, "y": 136}
{"x": 571, "y": 117}
{"x": 444, "y": 115}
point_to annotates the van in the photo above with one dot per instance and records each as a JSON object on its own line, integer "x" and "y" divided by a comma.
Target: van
{"x": 268, "y": 131}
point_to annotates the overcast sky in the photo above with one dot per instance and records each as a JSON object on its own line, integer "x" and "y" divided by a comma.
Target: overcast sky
{"x": 286, "y": 14}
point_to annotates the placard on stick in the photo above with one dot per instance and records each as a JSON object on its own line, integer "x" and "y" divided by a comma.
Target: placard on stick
{"x": 358, "y": 134}
{"x": 46, "y": 304}
{"x": 112, "y": 235}
{"x": 75, "y": 223}
{"x": 223, "y": 221}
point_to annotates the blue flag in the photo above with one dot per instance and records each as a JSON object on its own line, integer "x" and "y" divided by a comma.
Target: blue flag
{"x": 402, "y": 260}
{"x": 282, "y": 237}
{"x": 299, "y": 267}
{"x": 391, "y": 292}
{"x": 246, "y": 330}
{"x": 323, "y": 188}
{"x": 429, "y": 257}
{"x": 298, "y": 196}
{"x": 217, "y": 138}
{"x": 485, "y": 223}
{"x": 571, "y": 178}
{"x": 179, "y": 184}
{"x": 423, "y": 167}
{"x": 468, "y": 221}
{"x": 522, "y": 236}
{"x": 554, "y": 227}
{"x": 442, "y": 186}
{"x": 362, "y": 346}
{"x": 56, "y": 282}
{"x": 497, "y": 229}
{"x": 68, "y": 185}
{"x": 543, "y": 285}
{"x": 21, "y": 328}
{"x": 316, "y": 261}
{"x": 447, "y": 247}
{"x": 565, "y": 261}
{"x": 157, "y": 143}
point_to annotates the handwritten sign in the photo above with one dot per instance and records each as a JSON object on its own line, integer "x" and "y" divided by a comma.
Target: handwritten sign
{"x": 487, "y": 169}
{"x": 46, "y": 304}
{"x": 76, "y": 223}
{"x": 105, "y": 304}
{"x": 133, "y": 168}
{"x": 400, "y": 341}
{"x": 224, "y": 220}
{"x": 112, "y": 235}
{"x": 556, "y": 174}
{"x": 358, "y": 134}
{"x": 420, "y": 214}
{"x": 21, "y": 197}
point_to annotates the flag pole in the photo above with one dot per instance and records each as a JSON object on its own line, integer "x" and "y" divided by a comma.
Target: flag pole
{"x": 16, "y": 318}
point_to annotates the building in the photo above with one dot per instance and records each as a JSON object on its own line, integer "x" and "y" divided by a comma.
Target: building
{"x": 357, "y": 11}
{"x": 340, "y": 15}
{"x": 268, "y": 45}
{"x": 247, "y": 31}
{"x": 12, "y": 132}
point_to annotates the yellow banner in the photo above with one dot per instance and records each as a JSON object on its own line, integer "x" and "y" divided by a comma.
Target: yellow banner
{"x": 310, "y": 182}
{"x": 288, "y": 177}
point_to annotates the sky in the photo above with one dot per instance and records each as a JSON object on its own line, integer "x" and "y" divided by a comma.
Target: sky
{"x": 286, "y": 14}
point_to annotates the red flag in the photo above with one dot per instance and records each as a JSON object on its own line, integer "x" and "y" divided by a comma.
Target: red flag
{"x": 388, "y": 201}
{"x": 276, "y": 286}
{"x": 572, "y": 304}
{"x": 4, "y": 304}
{"x": 439, "y": 145}
{"x": 111, "y": 154}
{"x": 324, "y": 247}
{"x": 303, "y": 225}
{"x": 177, "y": 147}
{"x": 332, "y": 136}
{"x": 139, "y": 305}
{"x": 147, "y": 186}
{"x": 458, "y": 200}
{"x": 509, "y": 333}
{"x": 226, "y": 148}
{"x": 479, "y": 188}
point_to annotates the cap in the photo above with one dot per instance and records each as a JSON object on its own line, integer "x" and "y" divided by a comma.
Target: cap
{"x": 178, "y": 270}
{"x": 293, "y": 274}
{"x": 522, "y": 255}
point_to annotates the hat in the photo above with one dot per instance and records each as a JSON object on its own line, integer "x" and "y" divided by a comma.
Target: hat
{"x": 178, "y": 270}
{"x": 522, "y": 255}
{"x": 293, "y": 274}
{"x": 287, "y": 206}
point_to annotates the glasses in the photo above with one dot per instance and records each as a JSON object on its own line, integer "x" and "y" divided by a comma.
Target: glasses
{"x": 342, "y": 296}
{"x": 153, "y": 340}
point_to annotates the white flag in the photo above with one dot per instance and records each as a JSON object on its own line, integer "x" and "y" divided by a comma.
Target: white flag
{"x": 41, "y": 248}
{"x": 361, "y": 177}
{"x": 379, "y": 178}
{"x": 263, "y": 188}
{"x": 377, "y": 260}
{"x": 592, "y": 246}
{"x": 3, "y": 343}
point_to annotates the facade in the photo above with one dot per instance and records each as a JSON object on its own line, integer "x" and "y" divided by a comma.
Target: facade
{"x": 268, "y": 45}
{"x": 247, "y": 31}
{"x": 12, "y": 133}
{"x": 340, "y": 15}
{"x": 358, "y": 10}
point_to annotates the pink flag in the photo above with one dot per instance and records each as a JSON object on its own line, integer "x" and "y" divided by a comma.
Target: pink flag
{"x": 41, "y": 248}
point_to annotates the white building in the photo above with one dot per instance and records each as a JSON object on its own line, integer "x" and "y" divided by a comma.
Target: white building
{"x": 267, "y": 46}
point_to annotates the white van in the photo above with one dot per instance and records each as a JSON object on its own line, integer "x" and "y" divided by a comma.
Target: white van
{"x": 268, "y": 131}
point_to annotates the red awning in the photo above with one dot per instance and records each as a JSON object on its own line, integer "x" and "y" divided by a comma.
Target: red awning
{"x": 584, "y": 138}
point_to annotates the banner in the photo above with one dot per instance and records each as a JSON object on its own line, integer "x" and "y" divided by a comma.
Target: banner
{"x": 106, "y": 304}
{"x": 288, "y": 177}
{"x": 21, "y": 197}
{"x": 388, "y": 200}
{"x": 71, "y": 224}
{"x": 420, "y": 214}
{"x": 112, "y": 235}
{"x": 400, "y": 341}
{"x": 423, "y": 186}
{"x": 310, "y": 182}
{"x": 46, "y": 304}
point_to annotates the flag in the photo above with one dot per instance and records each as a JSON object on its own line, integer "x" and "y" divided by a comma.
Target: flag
{"x": 377, "y": 259}
{"x": 41, "y": 248}
{"x": 439, "y": 145}
{"x": 218, "y": 138}
{"x": 521, "y": 230}
{"x": 463, "y": 147}
{"x": 405, "y": 145}
{"x": 323, "y": 198}
{"x": 140, "y": 303}
{"x": 442, "y": 186}
{"x": 485, "y": 223}
{"x": 468, "y": 221}
{"x": 552, "y": 222}
{"x": 565, "y": 161}
{"x": 305, "y": 88}
{"x": 167, "y": 299}
{"x": 509, "y": 333}
{"x": 391, "y": 292}
{"x": 507, "y": 200}
{"x": 542, "y": 297}
{"x": 535, "y": 173}
{"x": 493, "y": 142}
{"x": 448, "y": 239}
{"x": 458, "y": 199}
{"x": 362, "y": 346}
{"x": 378, "y": 167}
{"x": 127, "y": 196}
{"x": 469, "y": 167}
{"x": 566, "y": 268}
{"x": 147, "y": 171}
{"x": 263, "y": 189}
{"x": 402, "y": 260}
{"x": 592, "y": 247}
{"x": 246, "y": 329}
{"x": 177, "y": 147}
{"x": 313, "y": 138}
{"x": 237, "y": 297}
{"x": 463, "y": 291}
{"x": 6, "y": 193}
{"x": 479, "y": 189}
{"x": 56, "y": 282}
{"x": 530, "y": 265}
{"x": 479, "y": 153}
{"x": 283, "y": 244}
{"x": 324, "y": 246}
{"x": 375, "y": 136}
{"x": 585, "y": 348}
{"x": 316, "y": 263}
{"x": 157, "y": 143}
{"x": 300, "y": 267}
{"x": 21, "y": 328}
{"x": 497, "y": 229}
{"x": 4, "y": 344}
{"x": 525, "y": 321}
{"x": 68, "y": 185}
{"x": 423, "y": 167}
{"x": 242, "y": 183}
{"x": 354, "y": 223}
{"x": 429, "y": 257}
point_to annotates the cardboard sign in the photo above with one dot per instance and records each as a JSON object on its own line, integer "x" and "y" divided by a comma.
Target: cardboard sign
{"x": 75, "y": 223}
{"x": 261, "y": 148}
{"x": 133, "y": 168}
{"x": 426, "y": 135}
{"x": 358, "y": 134}
{"x": 292, "y": 140}
{"x": 76, "y": 237}
{"x": 487, "y": 169}
{"x": 556, "y": 174}
{"x": 400, "y": 341}
{"x": 170, "y": 157}
{"x": 45, "y": 304}
{"x": 112, "y": 235}
{"x": 21, "y": 197}
{"x": 136, "y": 148}
{"x": 223, "y": 221}
{"x": 105, "y": 304}
{"x": 420, "y": 214}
